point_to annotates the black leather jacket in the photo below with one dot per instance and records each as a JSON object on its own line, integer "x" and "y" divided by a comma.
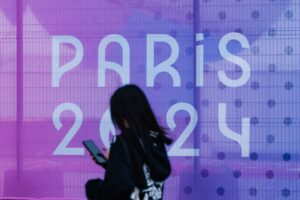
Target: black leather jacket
{"x": 135, "y": 164}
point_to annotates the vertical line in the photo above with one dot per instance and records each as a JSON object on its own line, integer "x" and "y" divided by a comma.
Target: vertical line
{"x": 19, "y": 99}
{"x": 196, "y": 20}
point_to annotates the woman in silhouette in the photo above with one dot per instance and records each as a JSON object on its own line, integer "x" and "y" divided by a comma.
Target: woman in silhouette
{"x": 138, "y": 163}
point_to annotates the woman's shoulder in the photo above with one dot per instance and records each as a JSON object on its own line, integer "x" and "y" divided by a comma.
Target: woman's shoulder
{"x": 116, "y": 142}
{"x": 120, "y": 144}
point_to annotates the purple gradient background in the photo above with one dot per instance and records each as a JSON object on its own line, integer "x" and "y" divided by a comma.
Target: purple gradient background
{"x": 27, "y": 100}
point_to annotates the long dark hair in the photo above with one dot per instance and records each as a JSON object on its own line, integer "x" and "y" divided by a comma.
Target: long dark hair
{"x": 130, "y": 103}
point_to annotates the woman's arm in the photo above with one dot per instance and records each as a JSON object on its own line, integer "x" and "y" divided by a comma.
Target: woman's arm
{"x": 118, "y": 181}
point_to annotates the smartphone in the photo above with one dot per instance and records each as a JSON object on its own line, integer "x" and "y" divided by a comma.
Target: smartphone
{"x": 95, "y": 151}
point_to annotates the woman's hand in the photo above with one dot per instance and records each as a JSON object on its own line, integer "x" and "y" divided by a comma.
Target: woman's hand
{"x": 94, "y": 159}
{"x": 105, "y": 153}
